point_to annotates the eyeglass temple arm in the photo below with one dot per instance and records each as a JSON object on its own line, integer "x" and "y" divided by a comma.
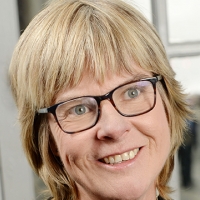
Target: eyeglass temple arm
{"x": 42, "y": 110}
{"x": 159, "y": 77}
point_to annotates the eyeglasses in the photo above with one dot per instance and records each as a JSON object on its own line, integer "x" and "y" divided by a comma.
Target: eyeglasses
{"x": 130, "y": 99}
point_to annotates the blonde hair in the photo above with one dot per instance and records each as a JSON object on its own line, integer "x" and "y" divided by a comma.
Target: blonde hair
{"x": 68, "y": 38}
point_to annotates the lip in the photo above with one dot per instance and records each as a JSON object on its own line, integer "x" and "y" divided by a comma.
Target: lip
{"x": 123, "y": 164}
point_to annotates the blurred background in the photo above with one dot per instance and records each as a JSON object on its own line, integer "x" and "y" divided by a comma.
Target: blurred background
{"x": 177, "y": 22}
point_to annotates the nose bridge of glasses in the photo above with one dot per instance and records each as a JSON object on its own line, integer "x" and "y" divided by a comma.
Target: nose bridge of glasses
{"x": 107, "y": 96}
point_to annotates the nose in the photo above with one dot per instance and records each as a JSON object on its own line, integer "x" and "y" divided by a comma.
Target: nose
{"x": 111, "y": 125}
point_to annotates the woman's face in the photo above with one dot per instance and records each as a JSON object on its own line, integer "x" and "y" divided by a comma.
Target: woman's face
{"x": 147, "y": 137}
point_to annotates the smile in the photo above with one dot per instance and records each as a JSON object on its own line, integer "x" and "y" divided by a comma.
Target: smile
{"x": 120, "y": 158}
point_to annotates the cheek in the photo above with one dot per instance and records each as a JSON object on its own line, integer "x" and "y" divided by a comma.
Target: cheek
{"x": 155, "y": 127}
{"x": 58, "y": 135}
{"x": 68, "y": 145}
{"x": 160, "y": 131}
{"x": 157, "y": 131}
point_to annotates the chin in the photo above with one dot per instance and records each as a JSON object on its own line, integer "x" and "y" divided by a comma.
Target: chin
{"x": 128, "y": 191}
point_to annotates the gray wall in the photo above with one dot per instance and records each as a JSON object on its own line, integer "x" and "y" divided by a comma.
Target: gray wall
{"x": 15, "y": 174}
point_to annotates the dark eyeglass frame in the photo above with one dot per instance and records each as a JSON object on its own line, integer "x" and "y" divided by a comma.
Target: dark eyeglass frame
{"x": 107, "y": 96}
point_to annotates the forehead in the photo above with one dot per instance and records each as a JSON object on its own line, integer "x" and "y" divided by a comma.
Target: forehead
{"x": 90, "y": 86}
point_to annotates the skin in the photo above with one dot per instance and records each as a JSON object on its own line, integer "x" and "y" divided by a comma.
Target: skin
{"x": 114, "y": 134}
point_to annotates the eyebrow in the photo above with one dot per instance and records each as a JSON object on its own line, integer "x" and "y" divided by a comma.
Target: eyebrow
{"x": 137, "y": 77}
{"x": 140, "y": 76}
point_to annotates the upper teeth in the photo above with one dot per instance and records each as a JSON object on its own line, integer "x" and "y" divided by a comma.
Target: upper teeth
{"x": 122, "y": 157}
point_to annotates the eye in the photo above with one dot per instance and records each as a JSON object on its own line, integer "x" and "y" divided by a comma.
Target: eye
{"x": 80, "y": 110}
{"x": 133, "y": 93}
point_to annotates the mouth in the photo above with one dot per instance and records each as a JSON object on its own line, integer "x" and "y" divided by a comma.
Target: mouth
{"x": 119, "y": 158}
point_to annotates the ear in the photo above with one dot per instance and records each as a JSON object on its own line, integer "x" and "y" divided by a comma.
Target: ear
{"x": 53, "y": 146}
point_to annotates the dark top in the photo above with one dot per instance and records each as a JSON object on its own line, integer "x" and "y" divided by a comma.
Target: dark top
{"x": 159, "y": 198}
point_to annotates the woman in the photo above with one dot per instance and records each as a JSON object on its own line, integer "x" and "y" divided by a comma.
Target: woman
{"x": 101, "y": 113}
